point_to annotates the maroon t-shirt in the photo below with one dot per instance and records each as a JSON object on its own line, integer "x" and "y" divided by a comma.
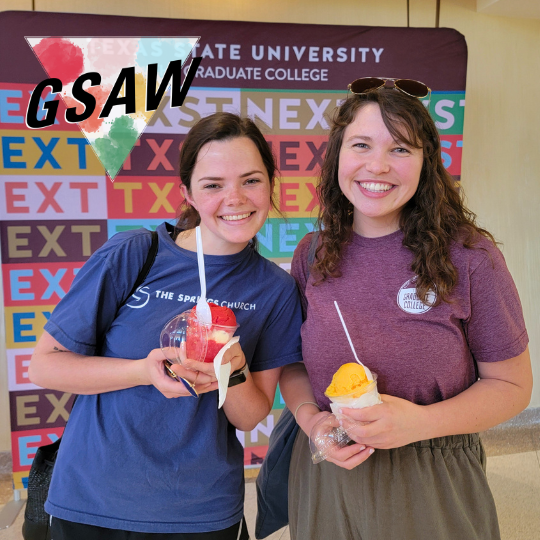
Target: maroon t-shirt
{"x": 420, "y": 353}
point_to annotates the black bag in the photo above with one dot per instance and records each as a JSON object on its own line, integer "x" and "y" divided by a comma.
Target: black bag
{"x": 36, "y": 525}
{"x": 36, "y": 520}
{"x": 273, "y": 479}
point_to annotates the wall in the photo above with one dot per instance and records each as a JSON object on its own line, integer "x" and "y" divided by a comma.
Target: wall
{"x": 501, "y": 161}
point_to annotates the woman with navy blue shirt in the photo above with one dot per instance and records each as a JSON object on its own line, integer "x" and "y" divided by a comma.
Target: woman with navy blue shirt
{"x": 133, "y": 459}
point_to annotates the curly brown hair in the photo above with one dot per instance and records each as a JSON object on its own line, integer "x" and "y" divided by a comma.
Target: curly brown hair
{"x": 431, "y": 220}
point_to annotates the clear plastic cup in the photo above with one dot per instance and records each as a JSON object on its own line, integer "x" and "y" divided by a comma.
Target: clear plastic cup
{"x": 331, "y": 432}
{"x": 217, "y": 336}
{"x": 185, "y": 337}
{"x": 326, "y": 436}
{"x": 176, "y": 334}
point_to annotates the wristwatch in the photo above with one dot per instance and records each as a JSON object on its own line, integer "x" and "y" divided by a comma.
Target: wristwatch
{"x": 238, "y": 376}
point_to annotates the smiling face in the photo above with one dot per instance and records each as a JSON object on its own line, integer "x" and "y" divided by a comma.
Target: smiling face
{"x": 231, "y": 191}
{"x": 377, "y": 174}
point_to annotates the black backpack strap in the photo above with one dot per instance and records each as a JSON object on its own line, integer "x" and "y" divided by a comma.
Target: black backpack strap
{"x": 150, "y": 258}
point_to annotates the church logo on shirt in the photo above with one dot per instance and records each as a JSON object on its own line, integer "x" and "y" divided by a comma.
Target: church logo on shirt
{"x": 408, "y": 300}
{"x": 139, "y": 298}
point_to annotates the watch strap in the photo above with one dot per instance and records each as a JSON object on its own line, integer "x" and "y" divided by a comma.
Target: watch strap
{"x": 238, "y": 376}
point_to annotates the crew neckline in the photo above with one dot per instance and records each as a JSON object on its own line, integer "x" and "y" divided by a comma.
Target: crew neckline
{"x": 208, "y": 259}
{"x": 377, "y": 241}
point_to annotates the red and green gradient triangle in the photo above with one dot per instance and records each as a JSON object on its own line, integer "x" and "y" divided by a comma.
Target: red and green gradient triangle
{"x": 67, "y": 58}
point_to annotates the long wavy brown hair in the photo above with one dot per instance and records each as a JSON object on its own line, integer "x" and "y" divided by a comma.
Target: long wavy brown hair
{"x": 431, "y": 220}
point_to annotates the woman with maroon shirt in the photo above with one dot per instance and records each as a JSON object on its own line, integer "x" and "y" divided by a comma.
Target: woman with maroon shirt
{"x": 431, "y": 308}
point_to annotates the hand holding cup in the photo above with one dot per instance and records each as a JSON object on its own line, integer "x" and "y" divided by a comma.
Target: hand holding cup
{"x": 350, "y": 387}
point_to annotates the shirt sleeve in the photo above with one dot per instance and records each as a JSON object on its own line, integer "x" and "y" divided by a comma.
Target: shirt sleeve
{"x": 280, "y": 343}
{"x": 495, "y": 329}
{"x": 81, "y": 319}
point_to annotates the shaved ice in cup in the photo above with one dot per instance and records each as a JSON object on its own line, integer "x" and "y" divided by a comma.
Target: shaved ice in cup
{"x": 220, "y": 333}
{"x": 352, "y": 386}
{"x": 184, "y": 336}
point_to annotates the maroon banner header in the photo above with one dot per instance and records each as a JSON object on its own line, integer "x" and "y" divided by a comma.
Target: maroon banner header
{"x": 261, "y": 55}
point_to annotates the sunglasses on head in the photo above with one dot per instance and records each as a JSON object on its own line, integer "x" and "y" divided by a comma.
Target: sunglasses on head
{"x": 407, "y": 86}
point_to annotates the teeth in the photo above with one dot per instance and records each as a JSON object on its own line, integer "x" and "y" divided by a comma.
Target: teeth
{"x": 237, "y": 217}
{"x": 372, "y": 186}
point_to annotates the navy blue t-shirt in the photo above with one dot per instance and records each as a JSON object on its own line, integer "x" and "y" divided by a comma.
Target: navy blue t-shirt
{"x": 133, "y": 459}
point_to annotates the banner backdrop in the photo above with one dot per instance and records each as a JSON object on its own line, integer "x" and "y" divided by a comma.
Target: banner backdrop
{"x": 57, "y": 206}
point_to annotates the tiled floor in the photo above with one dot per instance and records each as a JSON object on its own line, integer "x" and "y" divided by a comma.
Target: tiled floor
{"x": 514, "y": 480}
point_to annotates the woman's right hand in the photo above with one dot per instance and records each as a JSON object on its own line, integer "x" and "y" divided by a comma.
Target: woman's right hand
{"x": 347, "y": 457}
{"x": 351, "y": 456}
{"x": 296, "y": 390}
{"x": 154, "y": 374}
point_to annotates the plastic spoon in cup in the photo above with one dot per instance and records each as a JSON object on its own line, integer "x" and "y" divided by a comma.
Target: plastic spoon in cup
{"x": 368, "y": 372}
{"x": 203, "y": 309}
{"x": 205, "y": 317}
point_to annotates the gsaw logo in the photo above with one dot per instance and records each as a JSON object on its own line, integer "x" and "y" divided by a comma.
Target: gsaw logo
{"x": 110, "y": 86}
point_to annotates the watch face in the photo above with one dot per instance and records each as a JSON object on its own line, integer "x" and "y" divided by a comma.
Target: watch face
{"x": 237, "y": 379}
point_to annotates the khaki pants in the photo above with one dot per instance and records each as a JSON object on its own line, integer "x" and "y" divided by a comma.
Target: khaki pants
{"x": 428, "y": 490}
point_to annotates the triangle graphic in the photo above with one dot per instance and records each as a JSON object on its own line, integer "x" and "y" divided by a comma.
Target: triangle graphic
{"x": 112, "y": 138}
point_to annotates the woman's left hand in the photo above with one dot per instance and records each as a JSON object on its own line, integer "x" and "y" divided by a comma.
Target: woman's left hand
{"x": 396, "y": 422}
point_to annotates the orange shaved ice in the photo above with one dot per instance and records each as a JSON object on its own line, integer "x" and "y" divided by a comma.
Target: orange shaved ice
{"x": 347, "y": 379}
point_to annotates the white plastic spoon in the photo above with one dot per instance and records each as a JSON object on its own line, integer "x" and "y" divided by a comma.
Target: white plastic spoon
{"x": 203, "y": 309}
{"x": 368, "y": 372}
{"x": 204, "y": 315}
